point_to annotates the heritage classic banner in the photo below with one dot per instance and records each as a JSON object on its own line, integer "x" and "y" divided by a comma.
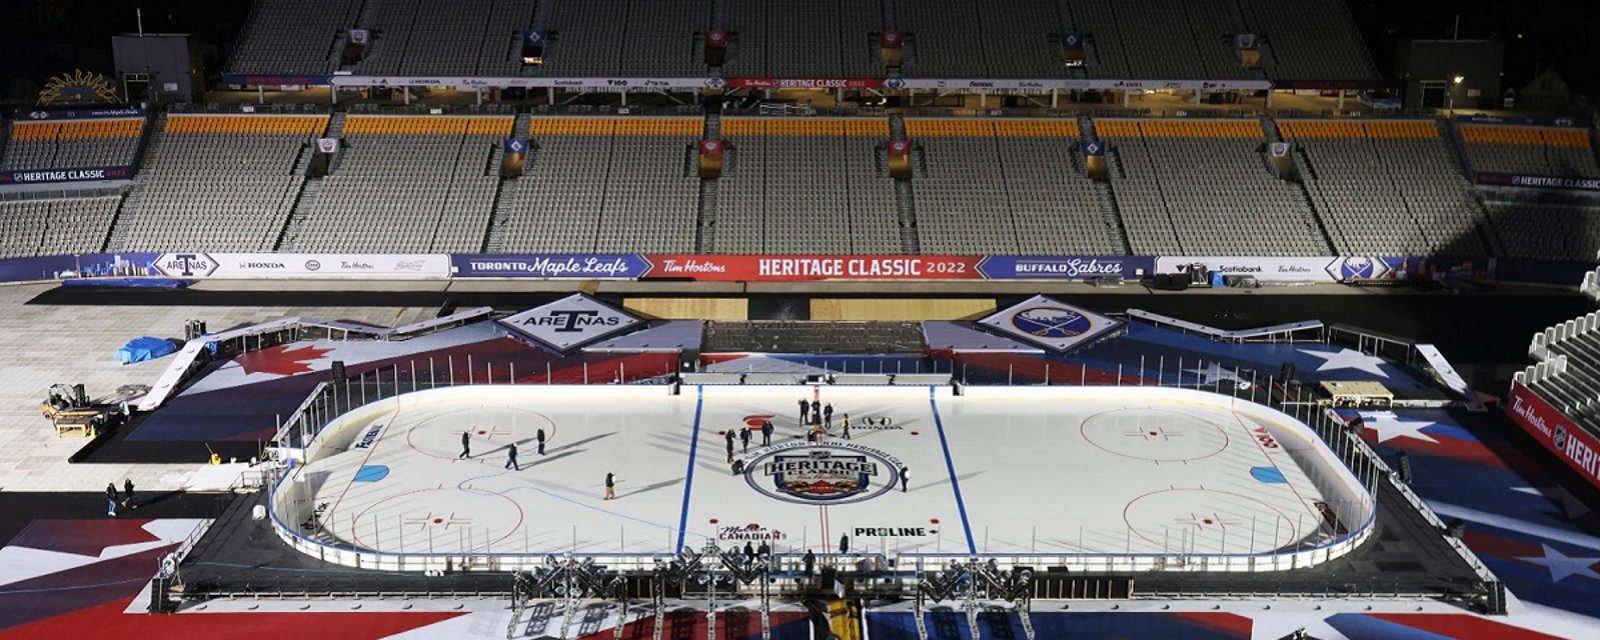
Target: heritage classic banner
{"x": 1572, "y": 183}
{"x": 1574, "y": 446}
{"x": 746, "y": 268}
{"x": 77, "y": 174}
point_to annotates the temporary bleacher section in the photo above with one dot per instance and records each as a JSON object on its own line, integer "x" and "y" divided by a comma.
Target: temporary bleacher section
{"x": 1308, "y": 39}
{"x": 806, "y": 186}
{"x": 72, "y": 144}
{"x": 407, "y": 184}
{"x": 456, "y": 38}
{"x": 1386, "y": 187}
{"x": 1537, "y": 151}
{"x": 292, "y": 37}
{"x": 222, "y": 182}
{"x": 55, "y": 227}
{"x": 603, "y": 184}
{"x": 1203, "y": 188}
{"x": 1568, "y": 373}
{"x": 1591, "y": 283}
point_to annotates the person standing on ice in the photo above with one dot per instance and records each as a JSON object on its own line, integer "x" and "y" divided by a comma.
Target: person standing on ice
{"x": 905, "y": 476}
{"x": 827, "y": 415}
{"x": 805, "y": 410}
{"x": 810, "y": 562}
{"x": 816, "y": 412}
{"x": 728, "y": 435}
{"x": 845, "y": 421}
{"x": 466, "y": 445}
{"x": 511, "y": 457}
{"x": 744, "y": 438}
{"x": 611, "y": 486}
{"x": 540, "y": 437}
{"x": 766, "y": 433}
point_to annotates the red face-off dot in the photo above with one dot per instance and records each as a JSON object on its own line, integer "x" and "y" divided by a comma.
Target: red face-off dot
{"x": 1207, "y": 521}
{"x": 713, "y": 521}
{"x": 1154, "y": 433}
{"x": 481, "y": 432}
{"x": 438, "y": 520}
{"x": 934, "y": 521}
{"x": 916, "y": 433}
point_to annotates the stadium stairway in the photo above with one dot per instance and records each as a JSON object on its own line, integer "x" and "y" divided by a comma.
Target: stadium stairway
{"x": 905, "y": 201}
{"x": 1116, "y": 232}
{"x": 129, "y": 207}
{"x": 1308, "y": 207}
{"x": 705, "y": 224}
{"x": 1458, "y": 150}
{"x": 306, "y": 197}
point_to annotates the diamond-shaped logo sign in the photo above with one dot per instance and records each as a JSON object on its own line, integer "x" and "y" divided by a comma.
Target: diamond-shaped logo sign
{"x": 571, "y": 322}
{"x": 1050, "y": 324}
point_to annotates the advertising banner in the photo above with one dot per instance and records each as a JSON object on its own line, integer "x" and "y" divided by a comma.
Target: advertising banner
{"x": 804, "y": 83}
{"x": 618, "y": 266}
{"x": 570, "y": 322}
{"x": 1570, "y": 183}
{"x": 1554, "y": 431}
{"x": 1063, "y": 267}
{"x": 1098, "y": 84}
{"x": 1309, "y": 269}
{"x": 744, "y": 268}
{"x": 303, "y": 265}
{"x": 79, "y": 174}
{"x": 76, "y": 114}
{"x": 91, "y": 264}
{"x": 1536, "y": 122}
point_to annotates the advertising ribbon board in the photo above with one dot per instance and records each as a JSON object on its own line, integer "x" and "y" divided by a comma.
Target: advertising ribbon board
{"x": 303, "y": 265}
{"x": 1554, "y": 431}
{"x": 748, "y": 268}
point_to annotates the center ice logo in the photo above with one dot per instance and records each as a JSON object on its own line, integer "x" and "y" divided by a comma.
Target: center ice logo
{"x": 1051, "y": 322}
{"x": 807, "y": 473}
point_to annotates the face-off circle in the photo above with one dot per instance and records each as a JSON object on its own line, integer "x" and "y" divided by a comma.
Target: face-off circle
{"x": 434, "y": 520}
{"x": 439, "y": 434}
{"x": 1210, "y": 521}
{"x": 1155, "y": 435}
{"x": 822, "y": 474}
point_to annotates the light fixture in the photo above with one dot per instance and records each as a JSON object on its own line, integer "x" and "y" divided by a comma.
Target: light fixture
{"x": 1459, "y": 79}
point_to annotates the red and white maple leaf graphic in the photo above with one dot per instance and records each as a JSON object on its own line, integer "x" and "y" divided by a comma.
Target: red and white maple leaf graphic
{"x": 283, "y": 360}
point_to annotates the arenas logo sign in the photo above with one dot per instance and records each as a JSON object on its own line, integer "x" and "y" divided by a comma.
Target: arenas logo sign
{"x": 187, "y": 265}
{"x": 826, "y": 474}
{"x": 571, "y": 322}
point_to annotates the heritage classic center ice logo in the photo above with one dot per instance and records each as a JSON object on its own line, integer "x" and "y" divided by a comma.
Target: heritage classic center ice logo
{"x": 806, "y": 473}
{"x": 1051, "y": 322}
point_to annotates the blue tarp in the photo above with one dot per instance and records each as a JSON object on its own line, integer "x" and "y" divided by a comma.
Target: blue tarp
{"x": 146, "y": 348}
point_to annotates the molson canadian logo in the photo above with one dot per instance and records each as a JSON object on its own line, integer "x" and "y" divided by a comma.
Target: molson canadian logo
{"x": 806, "y": 473}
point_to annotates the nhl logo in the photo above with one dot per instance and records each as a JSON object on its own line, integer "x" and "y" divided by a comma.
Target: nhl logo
{"x": 806, "y": 473}
{"x": 1559, "y": 438}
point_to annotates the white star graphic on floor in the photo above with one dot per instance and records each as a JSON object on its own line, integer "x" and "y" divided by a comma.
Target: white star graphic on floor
{"x": 1561, "y": 565}
{"x": 1347, "y": 359}
{"x": 1570, "y": 504}
{"x": 1390, "y": 426}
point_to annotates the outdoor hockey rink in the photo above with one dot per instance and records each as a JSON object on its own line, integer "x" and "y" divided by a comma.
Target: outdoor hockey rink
{"x": 1057, "y": 471}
